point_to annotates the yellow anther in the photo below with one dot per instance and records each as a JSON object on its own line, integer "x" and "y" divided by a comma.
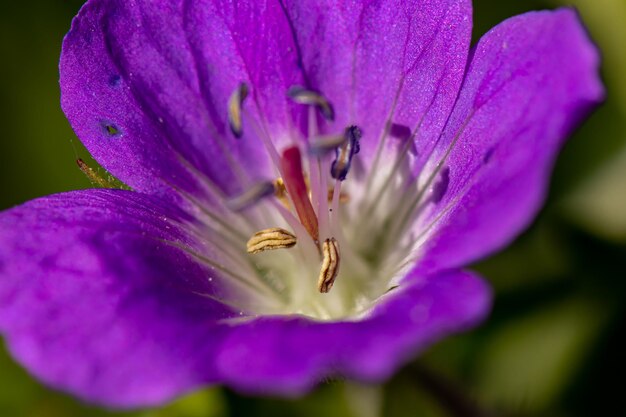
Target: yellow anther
{"x": 270, "y": 239}
{"x": 280, "y": 192}
{"x": 330, "y": 265}
{"x": 235, "y": 104}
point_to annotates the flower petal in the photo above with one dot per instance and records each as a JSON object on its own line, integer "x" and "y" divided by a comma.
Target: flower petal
{"x": 530, "y": 82}
{"x": 290, "y": 355}
{"x": 369, "y": 56}
{"x": 93, "y": 301}
{"x": 145, "y": 85}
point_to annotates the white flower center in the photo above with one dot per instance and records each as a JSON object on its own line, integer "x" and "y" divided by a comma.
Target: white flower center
{"x": 329, "y": 236}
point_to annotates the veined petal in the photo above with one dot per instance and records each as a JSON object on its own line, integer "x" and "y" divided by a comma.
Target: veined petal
{"x": 145, "y": 85}
{"x": 383, "y": 62}
{"x": 95, "y": 303}
{"x": 289, "y": 355}
{"x": 531, "y": 80}
{"x": 93, "y": 300}
{"x": 248, "y": 41}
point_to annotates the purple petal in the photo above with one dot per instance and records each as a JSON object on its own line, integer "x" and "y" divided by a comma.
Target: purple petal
{"x": 530, "y": 82}
{"x": 370, "y": 56}
{"x": 93, "y": 301}
{"x": 289, "y": 355}
{"x": 145, "y": 85}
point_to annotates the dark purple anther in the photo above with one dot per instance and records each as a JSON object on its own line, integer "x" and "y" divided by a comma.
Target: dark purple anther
{"x": 344, "y": 154}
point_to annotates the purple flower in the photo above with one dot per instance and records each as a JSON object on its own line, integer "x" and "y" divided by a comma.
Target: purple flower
{"x": 308, "y": 179}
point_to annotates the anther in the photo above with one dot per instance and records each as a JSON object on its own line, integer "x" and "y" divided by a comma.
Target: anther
{"x": 251, "y": 196}
{"x": 301, "y": 95}
{"x": 441, "y": 186}
{"x": 93, "y": 176}
{"x": 322, "y": 145}
{"x": 280, "y": 191}
{"x": 399, "y": 131}
{"x": 330, "y": 265}
{"x": 403, "y": 134}
{"x": 344, "y": 154}
{"x": 235, "y": 104}
{"x": 270, "y": 239}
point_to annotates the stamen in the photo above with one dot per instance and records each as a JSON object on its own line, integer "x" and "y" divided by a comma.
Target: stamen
{"x": 342, "y": 196}
{"x": 344, "y": 154}
{"x": 238, "y": 277}
{"x": 270, "y": 239}
{"x": 403, "y": 133}
{"x": 93, "y": 176}
{"x": 291, "y": 162}
{"x": 405, "y": 212}
{"x": 251, "y": 196}
{"x": 301, "y": 95}
{"x": 334, "y": 196}
{"x": 235, "y": 104}
{"x": 330, "y": 265}
{"x": 322, "y": 145}
{"x": 280, "y": 192}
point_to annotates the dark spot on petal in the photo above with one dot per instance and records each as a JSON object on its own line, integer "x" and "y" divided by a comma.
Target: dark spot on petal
{"x": 488, "y": 155}
{"x": 111, "y": 129}
{"x": 115, "y": 81}
{"x": 399, "y": 131}
{"x": 440, "y": 188}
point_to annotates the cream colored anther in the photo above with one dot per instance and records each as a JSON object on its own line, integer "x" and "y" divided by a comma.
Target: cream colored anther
{"x": 330, "y": 265}
{"x": 270, "y": 239}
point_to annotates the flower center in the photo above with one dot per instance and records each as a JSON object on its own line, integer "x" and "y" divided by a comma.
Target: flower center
{"x": 326, "y": 241}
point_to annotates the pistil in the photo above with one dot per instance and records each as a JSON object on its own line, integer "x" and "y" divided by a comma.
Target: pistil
{"x": 291, "y": 163}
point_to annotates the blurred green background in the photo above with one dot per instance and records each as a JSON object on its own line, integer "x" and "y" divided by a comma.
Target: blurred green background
{"x": 554, "y": 344}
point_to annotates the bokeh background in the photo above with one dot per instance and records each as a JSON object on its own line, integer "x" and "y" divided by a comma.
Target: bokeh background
{"x": 554, "y": 344}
